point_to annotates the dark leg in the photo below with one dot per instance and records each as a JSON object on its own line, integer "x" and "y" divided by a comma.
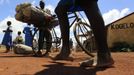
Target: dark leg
{"x": 49, "y": 40}
{"x": 64, "y": 27}
{"x": 94, "y": 16}
{"x": 7, "y": 49}
{"x": 98, "y": 27}
{"x": 40, "y": 41}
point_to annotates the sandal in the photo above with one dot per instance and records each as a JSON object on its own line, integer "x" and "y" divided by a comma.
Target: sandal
{"x": 93, "y": 63}
{"x": 88, "y": 63}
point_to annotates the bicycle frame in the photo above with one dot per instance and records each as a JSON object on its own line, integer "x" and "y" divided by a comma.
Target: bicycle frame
{"x": 76, "y": 21}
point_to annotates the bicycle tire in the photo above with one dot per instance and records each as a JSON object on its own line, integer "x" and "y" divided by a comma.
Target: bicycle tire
{"x": 83, "y": 27}
{"x": 44, "y": 51}
{"x": 55, "y": 38}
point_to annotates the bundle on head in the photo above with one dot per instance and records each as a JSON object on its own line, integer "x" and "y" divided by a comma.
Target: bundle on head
{"x": 27, "y": 13}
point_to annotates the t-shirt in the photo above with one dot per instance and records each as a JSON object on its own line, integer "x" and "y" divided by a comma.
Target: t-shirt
{"x": 74, "y": 5}
{"x": 18, "y": 40}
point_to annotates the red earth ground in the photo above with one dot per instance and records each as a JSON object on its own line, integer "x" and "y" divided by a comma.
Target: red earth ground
{"x": 13, "y": 64}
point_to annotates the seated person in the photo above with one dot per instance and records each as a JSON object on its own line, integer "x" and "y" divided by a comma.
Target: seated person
{"x": 18, "y": 39}
{"x": 19, "y": 46}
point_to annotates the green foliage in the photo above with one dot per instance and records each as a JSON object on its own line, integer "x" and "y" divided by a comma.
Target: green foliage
{"x": 132, "y": 47}
{"x": 122, "y": 47}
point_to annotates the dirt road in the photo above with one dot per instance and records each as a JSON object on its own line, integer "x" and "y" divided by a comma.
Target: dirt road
{"x": 12, "y": 64}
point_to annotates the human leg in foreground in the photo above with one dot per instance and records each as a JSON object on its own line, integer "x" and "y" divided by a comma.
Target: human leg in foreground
{"x": 94, "y": 16}
{"x": 61, "y": 12}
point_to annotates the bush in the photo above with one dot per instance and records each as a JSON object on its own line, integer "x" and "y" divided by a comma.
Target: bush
{"x": 122, "y": 47}
{"x": 132, "y": 47}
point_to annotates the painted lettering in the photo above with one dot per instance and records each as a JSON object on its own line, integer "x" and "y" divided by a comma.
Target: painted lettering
{"x": 122, "y": 26}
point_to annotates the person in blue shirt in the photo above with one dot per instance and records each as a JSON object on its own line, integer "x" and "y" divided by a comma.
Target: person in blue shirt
{"x": 91, "y": 9}
{"x": 28, "y": 35}
{"x": 7, "y": 39}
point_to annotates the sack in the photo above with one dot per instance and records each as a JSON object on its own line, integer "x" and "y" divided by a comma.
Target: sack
{"x": 29, "y": 14}
{"x": 22, "y": 49}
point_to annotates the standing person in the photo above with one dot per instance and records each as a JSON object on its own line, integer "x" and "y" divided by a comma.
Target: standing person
{"x": 44, "y": 32}
{"x": 28, "y": 35}
{"x": 7, "y": 39}
{"x": 91, "y": 9}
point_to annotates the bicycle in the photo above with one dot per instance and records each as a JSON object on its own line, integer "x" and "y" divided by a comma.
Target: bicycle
{"x": 82, "y": 33}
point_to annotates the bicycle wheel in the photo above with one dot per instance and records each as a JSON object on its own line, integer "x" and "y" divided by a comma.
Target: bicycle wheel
{"x": 46, "y": 43}
{"x": 84, "y": 37}
{"x": 56, "y": 39}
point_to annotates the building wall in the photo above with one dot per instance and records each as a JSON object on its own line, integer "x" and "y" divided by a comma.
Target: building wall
{"x": 121, "y": 31}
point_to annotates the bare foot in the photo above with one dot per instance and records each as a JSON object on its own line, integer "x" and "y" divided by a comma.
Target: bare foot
{"x": 38, "y": 54}
{"x": 108, "y": 63}
{"x": 87, "y": 63}
{"x": 94, "y": 62}
{"x": 6, "y": 51}
{"x": 63, "y": 55}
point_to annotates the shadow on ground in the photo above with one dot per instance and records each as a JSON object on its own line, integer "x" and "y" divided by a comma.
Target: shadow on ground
{"x": 60, "y": 69}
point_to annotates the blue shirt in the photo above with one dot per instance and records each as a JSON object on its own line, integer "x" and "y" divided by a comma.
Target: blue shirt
{"x": 74, "y": 5}
{"x": 7, "y": 39}
{"x": 70, "y": 4}
{"x": 28, "y": 36}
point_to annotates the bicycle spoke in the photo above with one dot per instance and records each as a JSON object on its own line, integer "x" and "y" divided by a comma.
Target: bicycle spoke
{"x": 81, "y": 32}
